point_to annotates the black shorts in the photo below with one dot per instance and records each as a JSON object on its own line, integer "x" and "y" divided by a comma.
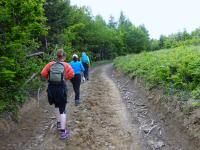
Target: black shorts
{"x": 57, "y": 94}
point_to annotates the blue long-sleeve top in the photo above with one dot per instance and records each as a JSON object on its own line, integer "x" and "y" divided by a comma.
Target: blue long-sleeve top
{"x": 77, "y": 67}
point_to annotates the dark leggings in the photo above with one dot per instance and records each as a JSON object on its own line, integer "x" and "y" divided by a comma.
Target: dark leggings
{"x": 86, "y": 67}
{"x": 76, "y": 82}
{"x": 61, "y": 107}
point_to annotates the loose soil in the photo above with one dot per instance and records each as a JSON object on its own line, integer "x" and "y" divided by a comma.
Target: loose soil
{"x": 114, "y": 114}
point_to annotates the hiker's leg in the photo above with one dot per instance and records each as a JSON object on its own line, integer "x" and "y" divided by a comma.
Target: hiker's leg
{"x": 73, "y": 80}
{"x": 57, "y": 114}
{"x": 53, "y": 93}
{"x": 88, "y": 73}
{"x": 63, "y": 117}
{"x": 64, "y": 133}
{"x": 77, "y": 86}
{"x": 86, "y": 69}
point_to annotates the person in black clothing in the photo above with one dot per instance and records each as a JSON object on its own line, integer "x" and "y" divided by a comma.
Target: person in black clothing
{"x": 76, "y": 80}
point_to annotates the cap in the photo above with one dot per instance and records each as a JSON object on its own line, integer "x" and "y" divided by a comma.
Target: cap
{"x": 75, "y": 55}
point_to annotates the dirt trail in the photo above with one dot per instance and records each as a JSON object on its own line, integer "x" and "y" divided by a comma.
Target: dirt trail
{"x": 100, "y": 122}
{"x": 105, "y": 120}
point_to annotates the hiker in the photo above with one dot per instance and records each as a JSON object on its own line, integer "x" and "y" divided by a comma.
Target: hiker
{"x": 57, "y": 72}
{"x": 76, "y": 80}
{"x": 86, "y": 64}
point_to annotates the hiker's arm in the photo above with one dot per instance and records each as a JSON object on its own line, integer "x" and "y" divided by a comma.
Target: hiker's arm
{"x": 82, "y": 68}
{"x": 88, "y": 61}
{"x": 45, "y": 70}
{"x": 69, "y": 72}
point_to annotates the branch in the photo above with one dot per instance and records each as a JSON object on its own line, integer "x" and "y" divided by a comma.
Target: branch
{"x": 32, "y": 77}
{"x": 35, "y": 54}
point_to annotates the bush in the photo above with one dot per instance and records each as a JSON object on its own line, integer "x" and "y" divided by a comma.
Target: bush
{"x": 177, "y": 69}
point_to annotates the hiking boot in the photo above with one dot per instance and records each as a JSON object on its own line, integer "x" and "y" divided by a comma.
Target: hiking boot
{"x": 64, "y": 134}
{"x": 58, "y": 125}
{"x": 77, "y": 102}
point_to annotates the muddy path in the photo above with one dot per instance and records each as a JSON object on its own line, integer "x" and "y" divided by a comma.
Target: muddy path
{"x": 113, "y": 114}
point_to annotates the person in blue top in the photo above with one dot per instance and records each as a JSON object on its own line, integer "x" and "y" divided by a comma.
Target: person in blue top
{"x": 76, "y": 80}
{"x": 86, "y": 64}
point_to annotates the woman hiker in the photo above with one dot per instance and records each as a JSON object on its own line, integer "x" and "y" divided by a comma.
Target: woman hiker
{"x": 57, "y": 72}
{"x": 76, "y": 80}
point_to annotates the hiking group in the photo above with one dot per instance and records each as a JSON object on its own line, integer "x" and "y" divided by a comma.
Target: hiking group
{"x": 57, "y": 73}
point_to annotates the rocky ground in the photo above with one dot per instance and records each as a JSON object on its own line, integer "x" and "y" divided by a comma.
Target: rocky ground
{"x": 114, "y": 114}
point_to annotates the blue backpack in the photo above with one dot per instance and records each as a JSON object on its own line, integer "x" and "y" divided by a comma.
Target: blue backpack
{"x": 85, "y": 59}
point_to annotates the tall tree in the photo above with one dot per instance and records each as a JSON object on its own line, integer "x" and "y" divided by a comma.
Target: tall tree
{"x": 58, "y": 18}
{"x": 112, "y": 23}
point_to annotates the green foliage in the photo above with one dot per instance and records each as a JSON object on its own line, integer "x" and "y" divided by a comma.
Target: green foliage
{"x": 58, "y": 18}
{"x": 177, "y": 39}
{"x": 175, "y": 69}
{"x": 87, "y": 33}
{"x": 21, "y": 24}
{"x": 135, "y": 39}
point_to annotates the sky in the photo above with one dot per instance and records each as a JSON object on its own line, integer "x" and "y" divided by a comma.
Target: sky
{"x": 159, "y": 16}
